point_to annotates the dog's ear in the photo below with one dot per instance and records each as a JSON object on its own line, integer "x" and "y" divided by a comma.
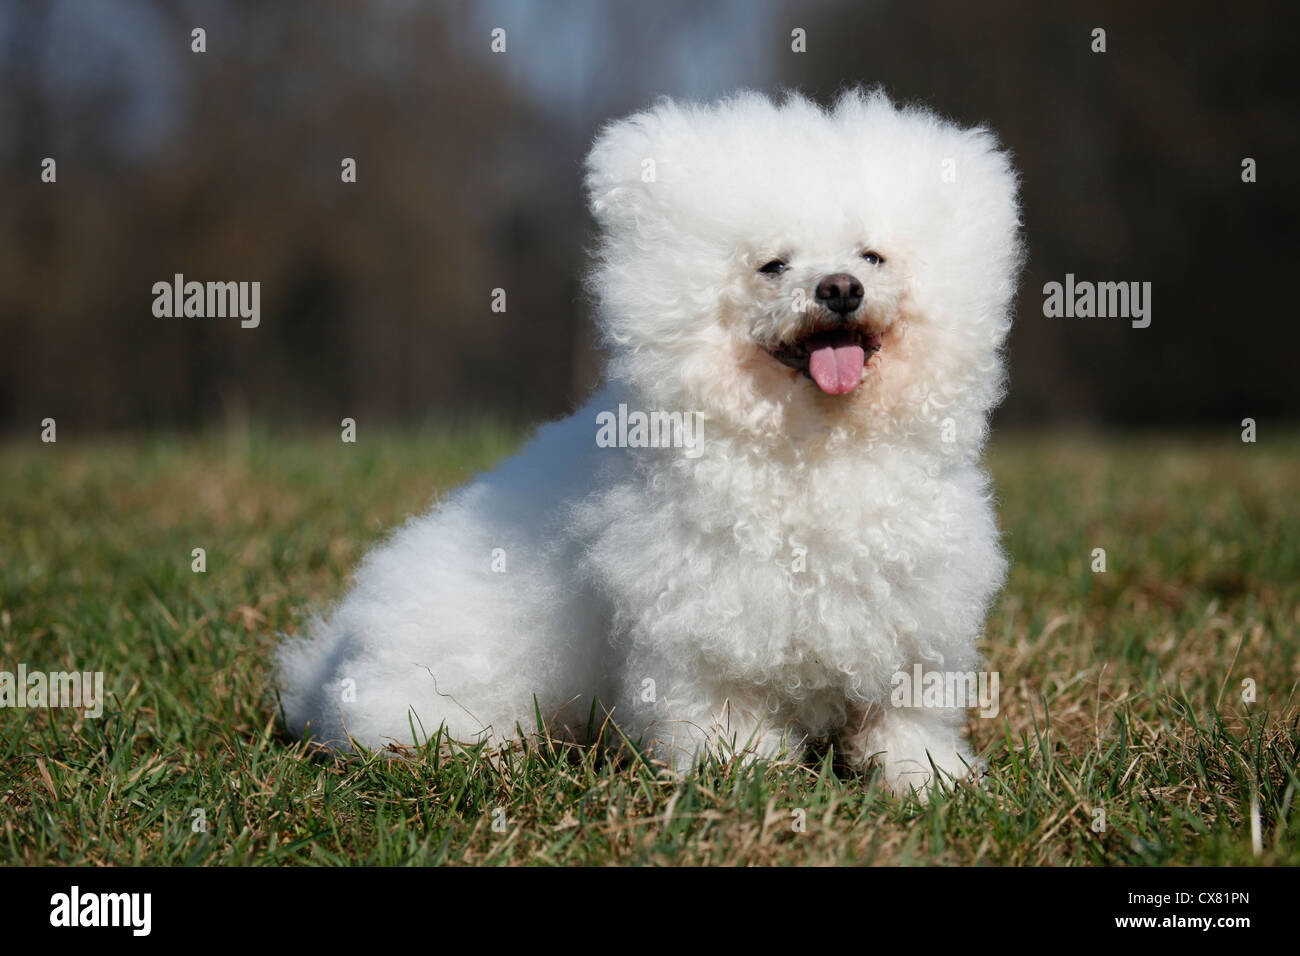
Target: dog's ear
{"x": 987, "y": 203}
{"x": 623, "y": 166}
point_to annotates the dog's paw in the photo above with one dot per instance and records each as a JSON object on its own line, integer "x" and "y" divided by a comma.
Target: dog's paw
{"x": 922, "y": 774}
{"x": 915, "y": 755}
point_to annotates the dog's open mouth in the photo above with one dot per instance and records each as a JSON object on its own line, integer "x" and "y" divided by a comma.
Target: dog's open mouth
{"x": 833, "y": 360}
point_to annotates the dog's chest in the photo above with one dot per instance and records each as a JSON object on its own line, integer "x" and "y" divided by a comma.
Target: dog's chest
{"x": 808, "y": 580}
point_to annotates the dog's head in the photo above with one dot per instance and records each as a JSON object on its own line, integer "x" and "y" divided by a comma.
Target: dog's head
{"x": 794, "y": 272}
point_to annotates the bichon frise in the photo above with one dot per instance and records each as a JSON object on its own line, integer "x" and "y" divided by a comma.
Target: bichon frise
{"x": 807, "y": 306}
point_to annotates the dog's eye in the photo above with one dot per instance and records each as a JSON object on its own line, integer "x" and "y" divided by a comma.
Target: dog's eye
{"x": 874, "y": 258}
{"x": 773, "y": 268}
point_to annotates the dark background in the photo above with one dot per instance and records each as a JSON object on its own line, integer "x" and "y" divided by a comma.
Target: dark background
{"x": 376, "y": 296}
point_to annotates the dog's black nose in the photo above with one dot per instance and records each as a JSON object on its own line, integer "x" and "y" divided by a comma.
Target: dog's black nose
{"x": 840, "y": 293}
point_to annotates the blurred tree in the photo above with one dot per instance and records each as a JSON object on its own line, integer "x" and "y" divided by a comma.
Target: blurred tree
{"x": 376, "y": 296}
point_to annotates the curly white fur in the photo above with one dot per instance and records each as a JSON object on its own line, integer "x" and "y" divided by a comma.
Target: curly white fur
{"x": 766, "y": 590}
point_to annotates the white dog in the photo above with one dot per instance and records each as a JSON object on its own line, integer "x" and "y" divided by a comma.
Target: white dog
{"x": 824, "y": 294}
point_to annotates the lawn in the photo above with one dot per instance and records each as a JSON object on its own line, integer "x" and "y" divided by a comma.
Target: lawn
{"x": 1123, "y": 736}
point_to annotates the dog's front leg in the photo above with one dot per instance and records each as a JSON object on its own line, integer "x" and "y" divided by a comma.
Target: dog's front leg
{"x": 691, "y": 721}
{"x": 908, "y": 744}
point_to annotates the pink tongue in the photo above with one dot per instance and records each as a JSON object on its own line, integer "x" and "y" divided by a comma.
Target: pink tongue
{"x": 837, "y": 369}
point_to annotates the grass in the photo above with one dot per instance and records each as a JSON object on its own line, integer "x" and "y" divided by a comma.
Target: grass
{"x": 1120, "y": 692}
